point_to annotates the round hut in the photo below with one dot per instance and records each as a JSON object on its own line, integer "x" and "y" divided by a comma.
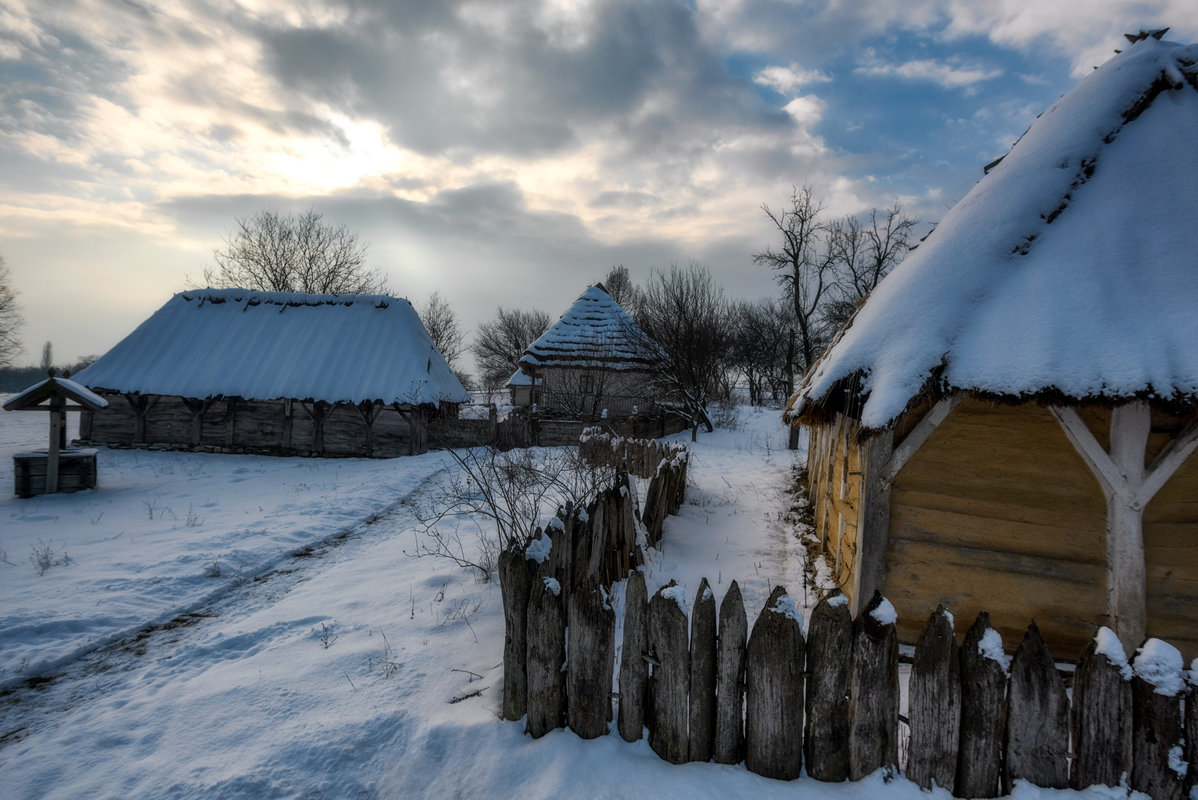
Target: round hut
{"x": 1009, "y": 422}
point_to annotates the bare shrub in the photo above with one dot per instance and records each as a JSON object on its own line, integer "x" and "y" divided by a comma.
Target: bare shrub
{"x": 45, "y": 555}
{"x": 498, "y": 498}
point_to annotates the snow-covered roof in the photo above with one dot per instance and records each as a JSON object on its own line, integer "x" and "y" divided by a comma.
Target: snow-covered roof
{"x": 594, "y": 332}
{"x": 520, "y": 379}
{"x": 53, "y": 386}
{"x": 1069, "y": 271}
{"x": 271, "y": 345}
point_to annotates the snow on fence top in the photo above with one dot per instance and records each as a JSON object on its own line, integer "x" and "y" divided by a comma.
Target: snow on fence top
{"x": 1067, "y": 270}
{"x": 594, "y": 332}
{"x": 272, "y": 345}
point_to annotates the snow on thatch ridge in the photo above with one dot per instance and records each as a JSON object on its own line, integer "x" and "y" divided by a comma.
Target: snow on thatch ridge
{"x": 271, "y": 345}
{"x": 595, "y": 331}
{"x": 1067, "y": 270}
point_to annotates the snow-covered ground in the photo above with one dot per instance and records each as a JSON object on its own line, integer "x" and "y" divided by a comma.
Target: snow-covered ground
{"x": 324, "y": 661}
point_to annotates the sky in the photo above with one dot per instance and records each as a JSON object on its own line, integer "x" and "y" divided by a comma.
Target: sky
{"x": 504, "y": 154}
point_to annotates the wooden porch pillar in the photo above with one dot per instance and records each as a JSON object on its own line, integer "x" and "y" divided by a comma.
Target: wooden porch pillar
{"x": 57, "y": 432}
{"x": 1128, "y": 487}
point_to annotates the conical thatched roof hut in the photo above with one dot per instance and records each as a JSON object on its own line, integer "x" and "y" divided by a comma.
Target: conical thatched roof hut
{"x": 595, "y": 358}
{"x": 1009, "y": 421}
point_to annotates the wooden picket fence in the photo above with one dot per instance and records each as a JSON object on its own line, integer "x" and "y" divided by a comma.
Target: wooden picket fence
{"x": 640, "y": 457}
{"x": 579, "y": 551}
{"x": 978, "y": 721}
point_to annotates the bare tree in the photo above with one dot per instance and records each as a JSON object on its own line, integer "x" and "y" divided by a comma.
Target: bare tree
{"x": 442, "y": 325}
{"x": 10, "y": 318}
{"x": 47, "y": 357}
{"x": 863, "y": 255}
{"x": 804, "y": 265}
{"x": 618, "y": 284}
{"x": 288, "y": 253}
{"x": 500, "y": 342}
{"x": 763, "y": 348}
{"x": 687, "y": 322}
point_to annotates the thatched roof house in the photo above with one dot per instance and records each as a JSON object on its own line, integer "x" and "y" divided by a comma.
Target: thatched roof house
{"x": 1009, "y": 421}
{"x": 594, "y": 357}
{"x": 274, "y": 372}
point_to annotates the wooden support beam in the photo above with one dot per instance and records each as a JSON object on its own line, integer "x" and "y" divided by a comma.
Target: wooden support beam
{"x": 1128, "y": 487}
{"x": 57, "y": 429}
{"x": 918, "y": 436}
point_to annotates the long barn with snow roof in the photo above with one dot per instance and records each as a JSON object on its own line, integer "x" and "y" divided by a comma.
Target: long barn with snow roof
{"x": 274, "y": 372}
{"x": 1009, "y": 422}
{"x": 594, "y": 359}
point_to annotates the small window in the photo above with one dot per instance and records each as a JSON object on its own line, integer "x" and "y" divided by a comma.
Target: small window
{"x": 586, "y": 384}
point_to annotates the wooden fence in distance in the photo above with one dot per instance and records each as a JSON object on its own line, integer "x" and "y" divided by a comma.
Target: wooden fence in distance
{"x": 640, "y": 457}
{"x": 979, "y": 720}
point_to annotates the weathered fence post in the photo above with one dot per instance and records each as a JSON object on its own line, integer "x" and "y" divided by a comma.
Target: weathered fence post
{"x": 1102, "y": 716}
{"x": 1037, "y": 748}
{"x": 934, "y": 705}
{"x": 1156, "y": 689}
{"x": 546, "y": 656}
{"x": 873, "y": 690}
{"x": 634, "y": 669}
{"x": 829, "y": 660}
{"x": 730, "y": 681}
{"x": 591, "y": 661}
{"x": 703, "y": 675}
{"x": 514, "y": 588}
{"x": 983, "y": 690}
{"x": 671, "y": 674}
{"x": 774, "y": 691}
{"x": 1191, "y": 729}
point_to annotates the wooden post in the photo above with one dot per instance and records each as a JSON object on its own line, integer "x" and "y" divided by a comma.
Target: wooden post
{"x": 730, "y": 678}
{"x": 1191, "y": 729}
{"x": 1156, "y": 689}
{"x": 592, "y": 656}
{"x": 1037, "y": 742}
{"x": 57, "y": 429}
{"x": 703, "y": 675}
{"x": 873, "y": 527}
{"x": 546, "y": 657}
{"x": 671, "y": 674}
{"x": 1102, "y": 716}
{"x": 231, "y": 421}
{"x": 874, "y": 691}
{"x": 934, "y": 703}
{"x": 829, "y": 658}
{"x": 514, "y": 587}
{"x": 774, "y": 691}
{"x": 983, "y": 692}
{"x": 634, "y": 669}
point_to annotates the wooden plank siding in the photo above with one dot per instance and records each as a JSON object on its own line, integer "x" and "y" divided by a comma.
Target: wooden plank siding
{"x": 1171, "y": 559}
{"x": 998, "y": 512}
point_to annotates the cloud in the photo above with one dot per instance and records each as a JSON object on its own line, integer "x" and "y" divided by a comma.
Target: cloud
{"x": 786, "y": 80}
{"x": 952, "y": 73}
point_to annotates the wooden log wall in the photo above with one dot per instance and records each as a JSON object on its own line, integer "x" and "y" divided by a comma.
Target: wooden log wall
{"x": 275, "y": 427}
{"x": 979, "y": 719}
{"x": 834, "y": 484}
